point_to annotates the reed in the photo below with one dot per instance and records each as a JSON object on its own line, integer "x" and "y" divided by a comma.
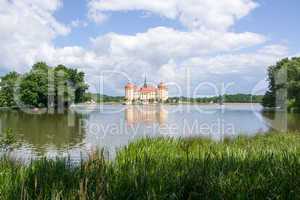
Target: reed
{"x": 53, "y": 179}
{"x": 262, "y": 167}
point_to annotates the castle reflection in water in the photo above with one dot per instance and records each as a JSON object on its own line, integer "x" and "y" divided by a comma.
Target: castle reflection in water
{"x": 145, "y": 114}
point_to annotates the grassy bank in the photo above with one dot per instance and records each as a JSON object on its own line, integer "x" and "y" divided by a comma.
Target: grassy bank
{"x": 264, "y": 167}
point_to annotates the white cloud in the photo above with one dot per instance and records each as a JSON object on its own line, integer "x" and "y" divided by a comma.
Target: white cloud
{"x": 238, "y": 63}
{"x": 194, "y": 14}
{"x": 95, "y": 16}
{"x": 49, "y": 5}
{"x": 163, "y": 43}
{"x": 79, "y": 23}
{"x": 25, "y": 27}
{"x": 278, "y": 50}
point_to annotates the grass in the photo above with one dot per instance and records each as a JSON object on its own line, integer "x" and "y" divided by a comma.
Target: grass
{"x": 263, "y": 167}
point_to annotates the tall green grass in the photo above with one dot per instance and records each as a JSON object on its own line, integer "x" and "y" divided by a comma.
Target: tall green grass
{"x": 53, "y": 179}
{"x": 263, "y": 167}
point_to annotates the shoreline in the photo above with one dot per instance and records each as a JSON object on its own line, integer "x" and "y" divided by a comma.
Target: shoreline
{"x": 119, "y": 103}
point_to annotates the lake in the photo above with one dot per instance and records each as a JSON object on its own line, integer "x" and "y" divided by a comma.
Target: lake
{"x": 88, "y": 127}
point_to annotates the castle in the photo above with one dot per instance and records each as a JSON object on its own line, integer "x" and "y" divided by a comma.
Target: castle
{"x": 145, "y": 94}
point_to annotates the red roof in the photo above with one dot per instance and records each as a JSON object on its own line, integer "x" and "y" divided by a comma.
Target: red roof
{"x": 162, "y": 86}
{"x": 147, "y": 89}
{"x": 129, "y": 85}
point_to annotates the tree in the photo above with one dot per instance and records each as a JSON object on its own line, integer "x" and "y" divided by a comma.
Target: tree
{"x": 34, "y": 87}
{"x": 285, "y": 75}
{"x": 71, "y": 80}
{"x": 44, "y": 85}
{"x": 7, "y": 86}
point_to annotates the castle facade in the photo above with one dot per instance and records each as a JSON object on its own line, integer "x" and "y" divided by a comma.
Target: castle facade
{"x": 146, "y": 94}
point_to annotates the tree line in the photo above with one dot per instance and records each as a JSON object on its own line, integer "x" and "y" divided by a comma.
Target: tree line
{"x": 43, "y": 86}
{"x": 227, "y": 98}
{"x": 102, "y": 98}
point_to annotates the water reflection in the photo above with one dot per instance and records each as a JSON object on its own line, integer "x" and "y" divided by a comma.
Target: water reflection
{"x": 40, "y": 131}
{"x": 145, "y": 114}
{"x": 282, "y": 121}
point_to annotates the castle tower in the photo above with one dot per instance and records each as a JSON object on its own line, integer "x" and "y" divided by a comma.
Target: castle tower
{"x": 162, "y": 92}
{"x": 129, "y": 92}
{"x": 145, "y": 82}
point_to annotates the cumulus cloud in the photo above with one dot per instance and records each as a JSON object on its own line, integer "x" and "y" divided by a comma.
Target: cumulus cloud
{"x": 279, "y": 50}
{"x": 96, "y": 16}
{"x": 25, "y": 27}
{"x": 79, "y": 23}
{"x": 171, "y": 43}
{"x": 194, "y": 14}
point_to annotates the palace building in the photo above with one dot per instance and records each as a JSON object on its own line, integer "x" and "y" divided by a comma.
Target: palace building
{"x": 146, "y": 94}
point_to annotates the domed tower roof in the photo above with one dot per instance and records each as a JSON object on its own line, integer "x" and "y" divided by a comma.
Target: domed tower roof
{"x": 129, "y": 86}
{"x": 161, "y": 85}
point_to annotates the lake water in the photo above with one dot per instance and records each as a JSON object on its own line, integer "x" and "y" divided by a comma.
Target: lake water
{"x": 87, "y": 127}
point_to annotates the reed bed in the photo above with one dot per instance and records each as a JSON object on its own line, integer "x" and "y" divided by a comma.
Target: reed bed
{"x": 263, "y": 167}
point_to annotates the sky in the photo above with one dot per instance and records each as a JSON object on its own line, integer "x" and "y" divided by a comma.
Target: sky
{"x": 197, "y": 47}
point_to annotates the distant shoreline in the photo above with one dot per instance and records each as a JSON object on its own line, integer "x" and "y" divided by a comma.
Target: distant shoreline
{"x": 189, "y": 103}
{"x": 38, "y": 110}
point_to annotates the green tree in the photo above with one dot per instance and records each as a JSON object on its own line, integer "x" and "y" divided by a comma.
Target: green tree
{"x": 285, "y": 75}
{"x": 7, "y": 86}
{"x": 34, "y": 87}
{"x": 44, "y": 85}
{"x": 72, "y": 82}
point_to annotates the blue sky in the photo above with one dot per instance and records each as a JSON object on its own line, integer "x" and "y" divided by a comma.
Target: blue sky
{"x": 229, "y": 42}
{"x": 279, "y": 20}
{"x": 119, "y": 22}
